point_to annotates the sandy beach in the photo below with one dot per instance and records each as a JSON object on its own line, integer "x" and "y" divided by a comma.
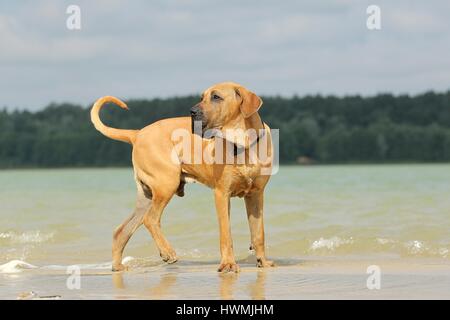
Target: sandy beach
{"x": 306, "y": 279}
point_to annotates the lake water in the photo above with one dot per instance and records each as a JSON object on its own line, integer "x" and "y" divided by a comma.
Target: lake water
{"x": 325, "y": 225}
{"x": 62, "y": 217}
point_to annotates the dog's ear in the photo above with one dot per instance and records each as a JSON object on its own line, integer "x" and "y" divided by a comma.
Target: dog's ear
{"x": 250, "y": 102}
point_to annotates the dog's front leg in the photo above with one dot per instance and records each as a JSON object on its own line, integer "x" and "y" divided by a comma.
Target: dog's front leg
{"x": 254, "y": 204}
{"x": 228, "y": 262}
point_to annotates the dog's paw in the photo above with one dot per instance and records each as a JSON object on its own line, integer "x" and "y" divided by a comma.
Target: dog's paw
{"x": 119, "y": 267}
{"x": 263, "y": 263}
{"x": 169, "y": 257}
{"x": 228, "y": 267}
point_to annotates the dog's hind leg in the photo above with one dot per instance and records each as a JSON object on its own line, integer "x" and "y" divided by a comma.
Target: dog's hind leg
{"x": 254, "y": 204}
{"x": 123, "y": 233}
{"x": 152, "y": 221}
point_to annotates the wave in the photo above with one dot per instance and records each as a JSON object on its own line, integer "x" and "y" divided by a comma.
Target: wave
{"x": 16, "y": 266}
{"x": 330, "y": 244}
{"x": 25, "y": 237}
{"x": 351, "y": 245}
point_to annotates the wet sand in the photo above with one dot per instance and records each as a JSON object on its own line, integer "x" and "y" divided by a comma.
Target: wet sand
{"x": 305, "y": 279}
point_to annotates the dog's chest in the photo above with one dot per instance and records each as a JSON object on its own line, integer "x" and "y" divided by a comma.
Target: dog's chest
{"x": 244, "y": 180}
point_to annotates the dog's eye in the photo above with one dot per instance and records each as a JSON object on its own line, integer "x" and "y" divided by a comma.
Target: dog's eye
{"x": 216, "y": 97}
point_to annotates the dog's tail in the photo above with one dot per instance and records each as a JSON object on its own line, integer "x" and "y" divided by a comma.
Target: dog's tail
{"x": 128, "y": 136}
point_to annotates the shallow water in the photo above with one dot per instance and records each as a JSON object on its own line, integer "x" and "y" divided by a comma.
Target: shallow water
{"x": 67, "y": 216}
{"x": 317, "y": 220}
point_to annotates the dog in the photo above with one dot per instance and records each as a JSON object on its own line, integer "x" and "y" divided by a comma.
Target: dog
{"x": 161, "y": 170}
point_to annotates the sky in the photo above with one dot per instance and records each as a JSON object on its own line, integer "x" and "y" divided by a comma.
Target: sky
{"x": 147, "y": 49}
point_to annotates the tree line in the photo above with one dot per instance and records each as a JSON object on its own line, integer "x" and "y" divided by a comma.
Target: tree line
{"x": 322, "y": 129}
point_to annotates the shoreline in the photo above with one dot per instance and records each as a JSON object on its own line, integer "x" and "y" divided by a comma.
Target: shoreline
{"x": 308, "y": 279}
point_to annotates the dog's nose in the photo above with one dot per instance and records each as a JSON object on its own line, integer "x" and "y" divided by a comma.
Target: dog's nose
{"x": 195, "y": 110}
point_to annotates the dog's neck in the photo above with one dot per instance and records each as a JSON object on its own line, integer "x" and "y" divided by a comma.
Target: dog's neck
{"x": 237, "y": 131}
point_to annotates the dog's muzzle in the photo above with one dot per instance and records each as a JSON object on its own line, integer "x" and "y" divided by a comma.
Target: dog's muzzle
{"x": 197, "y": 120}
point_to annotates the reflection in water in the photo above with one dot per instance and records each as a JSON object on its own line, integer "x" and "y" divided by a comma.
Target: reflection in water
{"x": 117, "y": 278}
{"x": 159, "y": 291}
{"x": 167, "y": 288}
{"x": 256, "y": 289}
{"x": 226, "y": 287}
{"x": 166, "y": 282}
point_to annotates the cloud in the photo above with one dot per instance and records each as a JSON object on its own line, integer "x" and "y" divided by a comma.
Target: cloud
{"x": 146, "y": 49}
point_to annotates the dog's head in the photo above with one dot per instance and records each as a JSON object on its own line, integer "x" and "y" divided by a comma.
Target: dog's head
{"x": 225, "y": 105}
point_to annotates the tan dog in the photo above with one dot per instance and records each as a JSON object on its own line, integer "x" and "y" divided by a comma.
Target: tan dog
{"x": 158, "y": 177}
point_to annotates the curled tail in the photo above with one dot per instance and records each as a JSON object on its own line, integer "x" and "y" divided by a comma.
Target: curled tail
{"x": 128, "y": 136}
